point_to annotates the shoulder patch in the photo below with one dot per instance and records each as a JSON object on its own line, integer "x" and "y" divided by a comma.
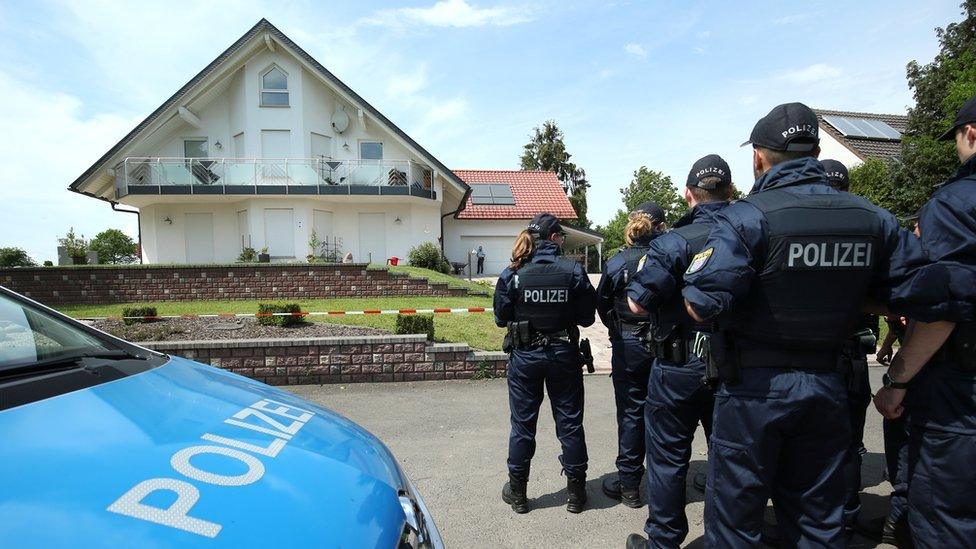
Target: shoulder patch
{"x": 699, "y": 260}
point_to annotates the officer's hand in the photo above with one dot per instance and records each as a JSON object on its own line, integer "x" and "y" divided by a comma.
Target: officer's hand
{"x": 888, "y": 402}
{"x": 884, "y": 354}
{"x": 635, "y": 307}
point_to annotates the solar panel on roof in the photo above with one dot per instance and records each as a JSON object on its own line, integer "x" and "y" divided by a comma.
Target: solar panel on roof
{"x": 863, "y": 127}
{"x": 492, "y": 194}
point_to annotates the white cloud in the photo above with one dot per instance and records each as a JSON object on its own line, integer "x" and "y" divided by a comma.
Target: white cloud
{"x": 408, "y": 84}
{"x": 45, "y": 145}
{"x": 636, "y": 49}
{"x": 819, "y": 72}
{"x": 451, "y": 13}
{"x": 704, "y": 35}
{"x": 790, "y": 19}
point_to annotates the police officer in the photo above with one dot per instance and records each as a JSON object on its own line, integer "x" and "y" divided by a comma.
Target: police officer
{"x": 630, "y": 361}
{"x": 790, "y": 264}
{"x": 541, "y": 298}
{"x": 941, "y": 400}
{"x": 677, "y": 400}
{"x": 862, "y": 344}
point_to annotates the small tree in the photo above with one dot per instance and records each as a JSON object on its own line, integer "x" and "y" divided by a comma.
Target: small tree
{"x": 15, "y": 257}
{"x": 654, "y": 186}
{"x": 114, "y": 247}
{"x": 75, "y": 246}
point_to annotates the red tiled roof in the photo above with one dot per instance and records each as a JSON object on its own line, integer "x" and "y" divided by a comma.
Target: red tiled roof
{"x": 534, "y": 191}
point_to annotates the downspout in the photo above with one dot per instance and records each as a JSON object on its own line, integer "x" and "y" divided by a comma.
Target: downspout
{"x": 464, "y": 201}
{"x": 138, "y": 224}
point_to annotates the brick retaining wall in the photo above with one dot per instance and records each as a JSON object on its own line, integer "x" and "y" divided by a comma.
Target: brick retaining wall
{"x": 338, "y": 359}
{"x": 152, "y": 283}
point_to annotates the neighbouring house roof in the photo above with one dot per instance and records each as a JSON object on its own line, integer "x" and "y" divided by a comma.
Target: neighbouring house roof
{"x": 865, "y": 148}
{"x": 534, "y": 192}
{"x": 263, "y": 26}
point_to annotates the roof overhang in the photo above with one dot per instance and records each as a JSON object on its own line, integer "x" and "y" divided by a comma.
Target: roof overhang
{"x": 260, "y": 36}
{"x": 577, "y": 237}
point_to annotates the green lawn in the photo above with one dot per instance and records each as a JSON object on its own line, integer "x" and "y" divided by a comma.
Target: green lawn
{"x": 434, "y": 276}
{"x": 476, "y": 329}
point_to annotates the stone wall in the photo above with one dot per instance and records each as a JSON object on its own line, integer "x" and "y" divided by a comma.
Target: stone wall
{"x": 151, "y": 283}
{"x": 339, "y": 359}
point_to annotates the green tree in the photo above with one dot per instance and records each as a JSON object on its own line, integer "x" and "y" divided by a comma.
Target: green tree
{"x": 940, "y": 88}
{"x": 547, "y": 151}
{"x": 647, "y": 185}
{"x": 15, "y": 257}
{"x": 75, "y": 246}
{"x": 114, "y": 247}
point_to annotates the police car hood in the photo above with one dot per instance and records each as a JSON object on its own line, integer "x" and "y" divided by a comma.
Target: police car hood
{"x": 251, "y": 465}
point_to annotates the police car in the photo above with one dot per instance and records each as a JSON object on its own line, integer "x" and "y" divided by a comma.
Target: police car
{"x": 105, "y": 443}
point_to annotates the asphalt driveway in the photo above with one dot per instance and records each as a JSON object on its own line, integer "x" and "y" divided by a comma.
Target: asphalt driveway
{"x": 451, "y": 438}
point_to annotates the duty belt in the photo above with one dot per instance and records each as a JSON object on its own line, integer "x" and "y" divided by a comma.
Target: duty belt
{"x": 678, "y": 350}
{"x": 544, "y": 340}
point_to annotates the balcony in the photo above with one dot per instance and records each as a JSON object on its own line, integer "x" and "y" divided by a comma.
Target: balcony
{"x": 272, "y": 176}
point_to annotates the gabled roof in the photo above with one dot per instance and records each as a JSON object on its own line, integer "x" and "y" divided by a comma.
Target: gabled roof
{"x": 264, "y": 26}
{"x": 534, "y": 191}
{"x": 862, "y": 147}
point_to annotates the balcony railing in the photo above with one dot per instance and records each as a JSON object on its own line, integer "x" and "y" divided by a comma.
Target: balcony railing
{"x": 237, "y": 174}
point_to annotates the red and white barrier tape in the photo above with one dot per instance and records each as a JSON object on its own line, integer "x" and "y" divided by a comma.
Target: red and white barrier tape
{"x": 439, "y": 310}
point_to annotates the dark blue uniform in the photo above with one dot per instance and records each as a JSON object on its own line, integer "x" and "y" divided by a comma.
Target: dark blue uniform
{"x": 630, "y": 362}
{"x": 941, "y": 399}
{"x": 791, "y": 264}
{"x": 677, "y": 400}
{"x": 555, "y": 366}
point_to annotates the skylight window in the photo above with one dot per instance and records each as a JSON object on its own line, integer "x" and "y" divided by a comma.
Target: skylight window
{"x": 863, "y": 127}
{"x": 492, "y": 194}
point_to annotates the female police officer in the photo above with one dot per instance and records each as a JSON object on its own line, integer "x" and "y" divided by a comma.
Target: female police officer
{"x": 541, "y": 298}
{"x": 630, "y": 360}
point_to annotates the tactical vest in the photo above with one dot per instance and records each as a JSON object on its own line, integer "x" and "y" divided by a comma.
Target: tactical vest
{"x": 631, "y": 257}
{"x": 672, "y": 313}
{"x": 543, "y": 295}
{"x": 820, "y": 254}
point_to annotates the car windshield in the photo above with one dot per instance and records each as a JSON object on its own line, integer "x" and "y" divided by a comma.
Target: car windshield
{"x": 29, "y": 335}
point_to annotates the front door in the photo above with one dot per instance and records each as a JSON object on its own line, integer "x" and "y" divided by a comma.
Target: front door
{"x": 372, "y": 238}
{"x": 279, "y": 232}
{"x": 199, "y": 237}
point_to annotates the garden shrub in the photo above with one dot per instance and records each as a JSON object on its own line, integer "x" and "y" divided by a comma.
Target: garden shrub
{"x": 282, "y": 321}
{"x": 146, "y": 310}
{"x": 415, "y": 324}
{"x": 428, "y": 256}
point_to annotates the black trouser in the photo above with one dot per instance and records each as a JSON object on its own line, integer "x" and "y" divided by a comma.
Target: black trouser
{"x": 858, "y": 402}
{"x": 896, "y": 461}
{"x": 556, "y": 368}
{"x": 631, "y": 366}
{"x": 481, "y": 265}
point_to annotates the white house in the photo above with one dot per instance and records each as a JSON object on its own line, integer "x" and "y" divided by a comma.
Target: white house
{"x": 853, "y": 137}
{"x": 265, "y": 146}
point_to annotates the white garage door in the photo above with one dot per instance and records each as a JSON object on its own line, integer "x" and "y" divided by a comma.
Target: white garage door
{"x": 498, "y": 251}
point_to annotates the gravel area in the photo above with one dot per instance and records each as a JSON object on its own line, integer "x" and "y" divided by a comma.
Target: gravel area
{"x": 179, "y": 329}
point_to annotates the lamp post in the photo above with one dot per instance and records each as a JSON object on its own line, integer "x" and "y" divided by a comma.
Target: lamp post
{"x": 469, "y": 263}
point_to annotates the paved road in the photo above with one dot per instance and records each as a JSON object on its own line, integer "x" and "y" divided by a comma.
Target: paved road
{"x": 451, "y": 438}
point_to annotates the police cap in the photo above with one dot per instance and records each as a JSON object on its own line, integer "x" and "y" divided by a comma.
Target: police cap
{"x": 966, "y": 115}
{"x": 791, "y": 127}
{"x": 714, "y": 169}
{"x": 836, "y": 174}
{"x": 655, "y": 212}
{"x": 544, "y": 225}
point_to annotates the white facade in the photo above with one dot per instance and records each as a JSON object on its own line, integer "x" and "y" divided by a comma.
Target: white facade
{"x": 830, "y": 148}
{"x": 496, "y": 236}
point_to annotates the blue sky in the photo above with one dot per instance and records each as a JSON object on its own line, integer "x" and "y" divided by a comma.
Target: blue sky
{"x": 630, "y": 83}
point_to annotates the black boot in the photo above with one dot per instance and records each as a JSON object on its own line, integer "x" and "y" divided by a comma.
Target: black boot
{"x": 699, "y": 482}
{"x": 897, "y": 533}
{"x": 514, "y": 494}
{"x": 614, "y": 489}
{"x": 576, "y": 488}
{"x": 637, "y": 541}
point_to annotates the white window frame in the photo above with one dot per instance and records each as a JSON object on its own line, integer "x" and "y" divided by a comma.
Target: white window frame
{"x": 205, "y": 139}
{"x": 359, "y": 148}
{"x": 262, "y": 90}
